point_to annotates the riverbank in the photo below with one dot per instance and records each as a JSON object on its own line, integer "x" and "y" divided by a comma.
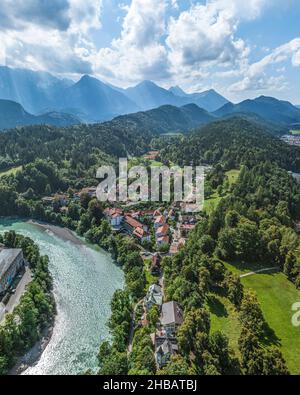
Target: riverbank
{"x": 32, "y": 357}
{"x": 63, "y": 233}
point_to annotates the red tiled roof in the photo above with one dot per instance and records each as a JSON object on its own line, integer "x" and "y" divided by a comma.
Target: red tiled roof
{"x": 160, "y": 220}
{"x": 133, "y": 222}
{"x": 113, "y": 212}
{"x": 140, "y": 233}
{"x": 187, "y": 227}
{"x": 163, "y": 229}
{"x": 163, "y": 239}
{"x": 157, "y": 213}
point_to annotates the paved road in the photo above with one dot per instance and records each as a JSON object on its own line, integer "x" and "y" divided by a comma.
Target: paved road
{"x": 15, "y": 299}
{"x": 268, "y": 269}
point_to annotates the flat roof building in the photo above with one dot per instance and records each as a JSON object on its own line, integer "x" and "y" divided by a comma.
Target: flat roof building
{"x": 11, "y": 260}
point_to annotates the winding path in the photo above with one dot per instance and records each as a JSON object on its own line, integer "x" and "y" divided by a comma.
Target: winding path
{"x": 268, "y": 269}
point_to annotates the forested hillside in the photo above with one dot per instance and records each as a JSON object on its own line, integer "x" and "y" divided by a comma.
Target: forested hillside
{"x": 233, "y": 142}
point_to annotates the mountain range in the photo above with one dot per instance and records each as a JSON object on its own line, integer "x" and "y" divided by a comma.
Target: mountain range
{"x": 90, "y": 99}
{"x": 270, "y": 109}
{"x": 12, "y": 114}
{"x": 29, "y": 97}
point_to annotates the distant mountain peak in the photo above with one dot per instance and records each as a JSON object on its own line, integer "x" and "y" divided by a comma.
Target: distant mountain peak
{"x": 176, "y": 90}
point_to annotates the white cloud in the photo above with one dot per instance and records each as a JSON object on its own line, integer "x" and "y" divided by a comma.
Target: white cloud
{"x": 49, "y": 36}
{"x": 256, "y": 75}
{"x": 139, "y": 52}
{"x": 195, "y": 48}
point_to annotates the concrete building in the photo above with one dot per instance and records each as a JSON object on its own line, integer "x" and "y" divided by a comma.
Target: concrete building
{"x": 11, "y": 261}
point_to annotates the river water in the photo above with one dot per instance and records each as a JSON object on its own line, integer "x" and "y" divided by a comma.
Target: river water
{"x": 84, "y": 282}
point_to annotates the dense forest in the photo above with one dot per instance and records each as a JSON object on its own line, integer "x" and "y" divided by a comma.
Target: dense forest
{"x": 232, "y": 142}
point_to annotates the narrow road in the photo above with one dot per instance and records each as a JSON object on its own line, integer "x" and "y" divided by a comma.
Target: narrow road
{"x": 131, "y": 334}
{"x": 268, "y": 269}
{"x": 15, "y": 299}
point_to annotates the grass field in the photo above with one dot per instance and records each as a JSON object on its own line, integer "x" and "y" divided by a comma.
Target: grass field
{"x": 11, "y": 171}
{"x": 211, "y": 203}
{"x": 224, "y": 318}
{"x": 276, "y": 295}
{"x": 295, "y": 132}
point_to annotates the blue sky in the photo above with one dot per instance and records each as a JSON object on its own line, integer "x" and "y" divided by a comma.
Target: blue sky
{"x": 241, "y": 48}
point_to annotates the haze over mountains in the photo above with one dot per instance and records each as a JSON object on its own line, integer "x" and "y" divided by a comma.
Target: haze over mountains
{"x": 30, "y": 97}
{"x": 272, "y": 110}
{"x": 12, "y": 114}
{"x": 90, "y": 99}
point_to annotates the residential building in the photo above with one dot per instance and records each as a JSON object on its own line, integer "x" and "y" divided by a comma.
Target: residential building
{"x": 162, "y": 231}
{"x": 185, "y": 229}
{"x": 157, "y": 213}
{"x": 90, "y": 191}
{"x": 151, "y": 155}
{"x": 164, "y": 352}
{"x": 11, "y": 261}
{"x": 154, "y": 297}
{"x": 155, "y": 265}
{"x": 114, "y": 216}
{"x": 163, "y": 241}
{"x": 130, "y": 224}
{"x": 159, "y": 221}
{"x": 141, "y": 235}
{"x": 48, "y": 201}
{"x": 171, "y": 317}
{"x": 176, "y": 245}
{"x": 62, "y": 200}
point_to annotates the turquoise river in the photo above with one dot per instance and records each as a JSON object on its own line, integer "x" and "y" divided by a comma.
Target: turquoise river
{"x": 84, "y": 282}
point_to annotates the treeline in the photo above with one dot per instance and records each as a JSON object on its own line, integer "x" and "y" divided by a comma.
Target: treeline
{"x": 79, "y": 145}
{"x": 36, "y": 309}
{"x": 233, "y": 142}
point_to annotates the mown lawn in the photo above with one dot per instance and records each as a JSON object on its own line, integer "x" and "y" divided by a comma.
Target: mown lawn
{"x": 11, "y": 171}
{"x": 224, "y": 318}
{"x": 276, "y": 295}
